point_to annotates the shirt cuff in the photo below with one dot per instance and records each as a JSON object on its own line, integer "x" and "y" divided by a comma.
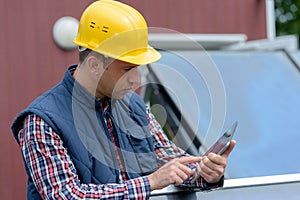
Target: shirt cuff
{"x": 202, "y": 185}
{"x": 211, "y": 186}
{"x": 138, "y": 188}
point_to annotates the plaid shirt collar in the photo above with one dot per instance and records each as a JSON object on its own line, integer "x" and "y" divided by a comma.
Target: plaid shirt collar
{"x": 105, "y": 104}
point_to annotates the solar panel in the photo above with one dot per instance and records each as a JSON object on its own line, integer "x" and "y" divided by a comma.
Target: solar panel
{"x": 261, "y": 90}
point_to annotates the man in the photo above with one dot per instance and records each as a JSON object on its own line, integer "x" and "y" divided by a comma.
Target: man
{"x": 91, "y": 136}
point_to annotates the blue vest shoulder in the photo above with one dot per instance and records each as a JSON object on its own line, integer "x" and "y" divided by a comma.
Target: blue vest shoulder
{"x": 75, "y": 116}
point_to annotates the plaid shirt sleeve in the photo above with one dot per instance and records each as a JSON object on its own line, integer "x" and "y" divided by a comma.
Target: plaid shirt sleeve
{"x": 54, "y": 173}
{"x": 167, "y": 150}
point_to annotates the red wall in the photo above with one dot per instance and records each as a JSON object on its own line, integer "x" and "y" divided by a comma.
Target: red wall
{"x": 206, "y": 16}
{"x": 32, "y": 63}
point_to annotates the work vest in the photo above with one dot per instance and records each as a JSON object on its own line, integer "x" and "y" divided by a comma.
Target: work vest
{"x": 76, "y": 116}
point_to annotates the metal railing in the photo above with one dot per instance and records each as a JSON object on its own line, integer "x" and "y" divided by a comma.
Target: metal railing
{"x": 267, "y": 187}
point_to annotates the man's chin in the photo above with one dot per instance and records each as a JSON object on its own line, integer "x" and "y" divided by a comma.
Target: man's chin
{"x": 121, "y": 94}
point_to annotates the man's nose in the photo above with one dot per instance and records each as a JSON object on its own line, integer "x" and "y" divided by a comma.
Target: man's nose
{"x": 134, "y": 77}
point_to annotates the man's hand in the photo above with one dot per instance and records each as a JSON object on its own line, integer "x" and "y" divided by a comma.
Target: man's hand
{"x": 212, "y": 166}
{"x": 174, "y": 172}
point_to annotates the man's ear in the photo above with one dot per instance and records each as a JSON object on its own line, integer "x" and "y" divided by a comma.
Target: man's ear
{"x": 95, "y": 66}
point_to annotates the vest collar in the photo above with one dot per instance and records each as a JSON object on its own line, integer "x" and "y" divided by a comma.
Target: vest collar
{"x": 78, "y": 92}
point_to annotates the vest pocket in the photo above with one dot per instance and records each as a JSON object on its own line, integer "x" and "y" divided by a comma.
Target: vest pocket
{"x": 142, "y": 147}
{"x": 139, "y": 140}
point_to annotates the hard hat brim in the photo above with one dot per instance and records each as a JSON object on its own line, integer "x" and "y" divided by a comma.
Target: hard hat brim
{"x": 141, "y": 57}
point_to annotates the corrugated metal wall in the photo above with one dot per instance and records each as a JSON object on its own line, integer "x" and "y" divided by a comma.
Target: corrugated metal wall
{"x": 206, "y": 16}
{"x": 32, "y": 63}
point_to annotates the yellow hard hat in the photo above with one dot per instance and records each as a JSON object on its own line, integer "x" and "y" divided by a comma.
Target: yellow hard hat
{"x": 116, "y": 30}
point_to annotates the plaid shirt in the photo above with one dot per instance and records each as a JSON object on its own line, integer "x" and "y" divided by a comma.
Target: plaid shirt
{"x": 54, "y": 173}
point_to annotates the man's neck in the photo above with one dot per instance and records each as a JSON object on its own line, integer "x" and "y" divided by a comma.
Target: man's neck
{"x": 81, "y": 76}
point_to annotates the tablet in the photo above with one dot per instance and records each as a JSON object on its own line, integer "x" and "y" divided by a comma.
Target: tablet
{"x": 220, "y": 145}
{"x": 223, "y": 142}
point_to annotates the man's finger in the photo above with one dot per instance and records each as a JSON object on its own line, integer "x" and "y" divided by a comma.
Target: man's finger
{"x": 230, "y": 148}
{"x": 189, "y": 159}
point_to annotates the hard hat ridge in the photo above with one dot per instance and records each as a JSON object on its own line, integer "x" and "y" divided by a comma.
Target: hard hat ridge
{"x": 116, "y": 30}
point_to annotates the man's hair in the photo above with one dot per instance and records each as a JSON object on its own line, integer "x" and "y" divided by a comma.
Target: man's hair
{"x": 83, "y": 55}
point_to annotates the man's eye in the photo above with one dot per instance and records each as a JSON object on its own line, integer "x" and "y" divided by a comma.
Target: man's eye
{"x": 128, "y": 69}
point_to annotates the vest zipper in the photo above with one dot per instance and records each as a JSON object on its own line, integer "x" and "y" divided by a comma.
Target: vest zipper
{"x": 115, "y": 130}
{"x": 112, "y": 150}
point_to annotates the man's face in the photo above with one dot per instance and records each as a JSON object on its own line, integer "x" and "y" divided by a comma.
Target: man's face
{"x": 118, "y": 79}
